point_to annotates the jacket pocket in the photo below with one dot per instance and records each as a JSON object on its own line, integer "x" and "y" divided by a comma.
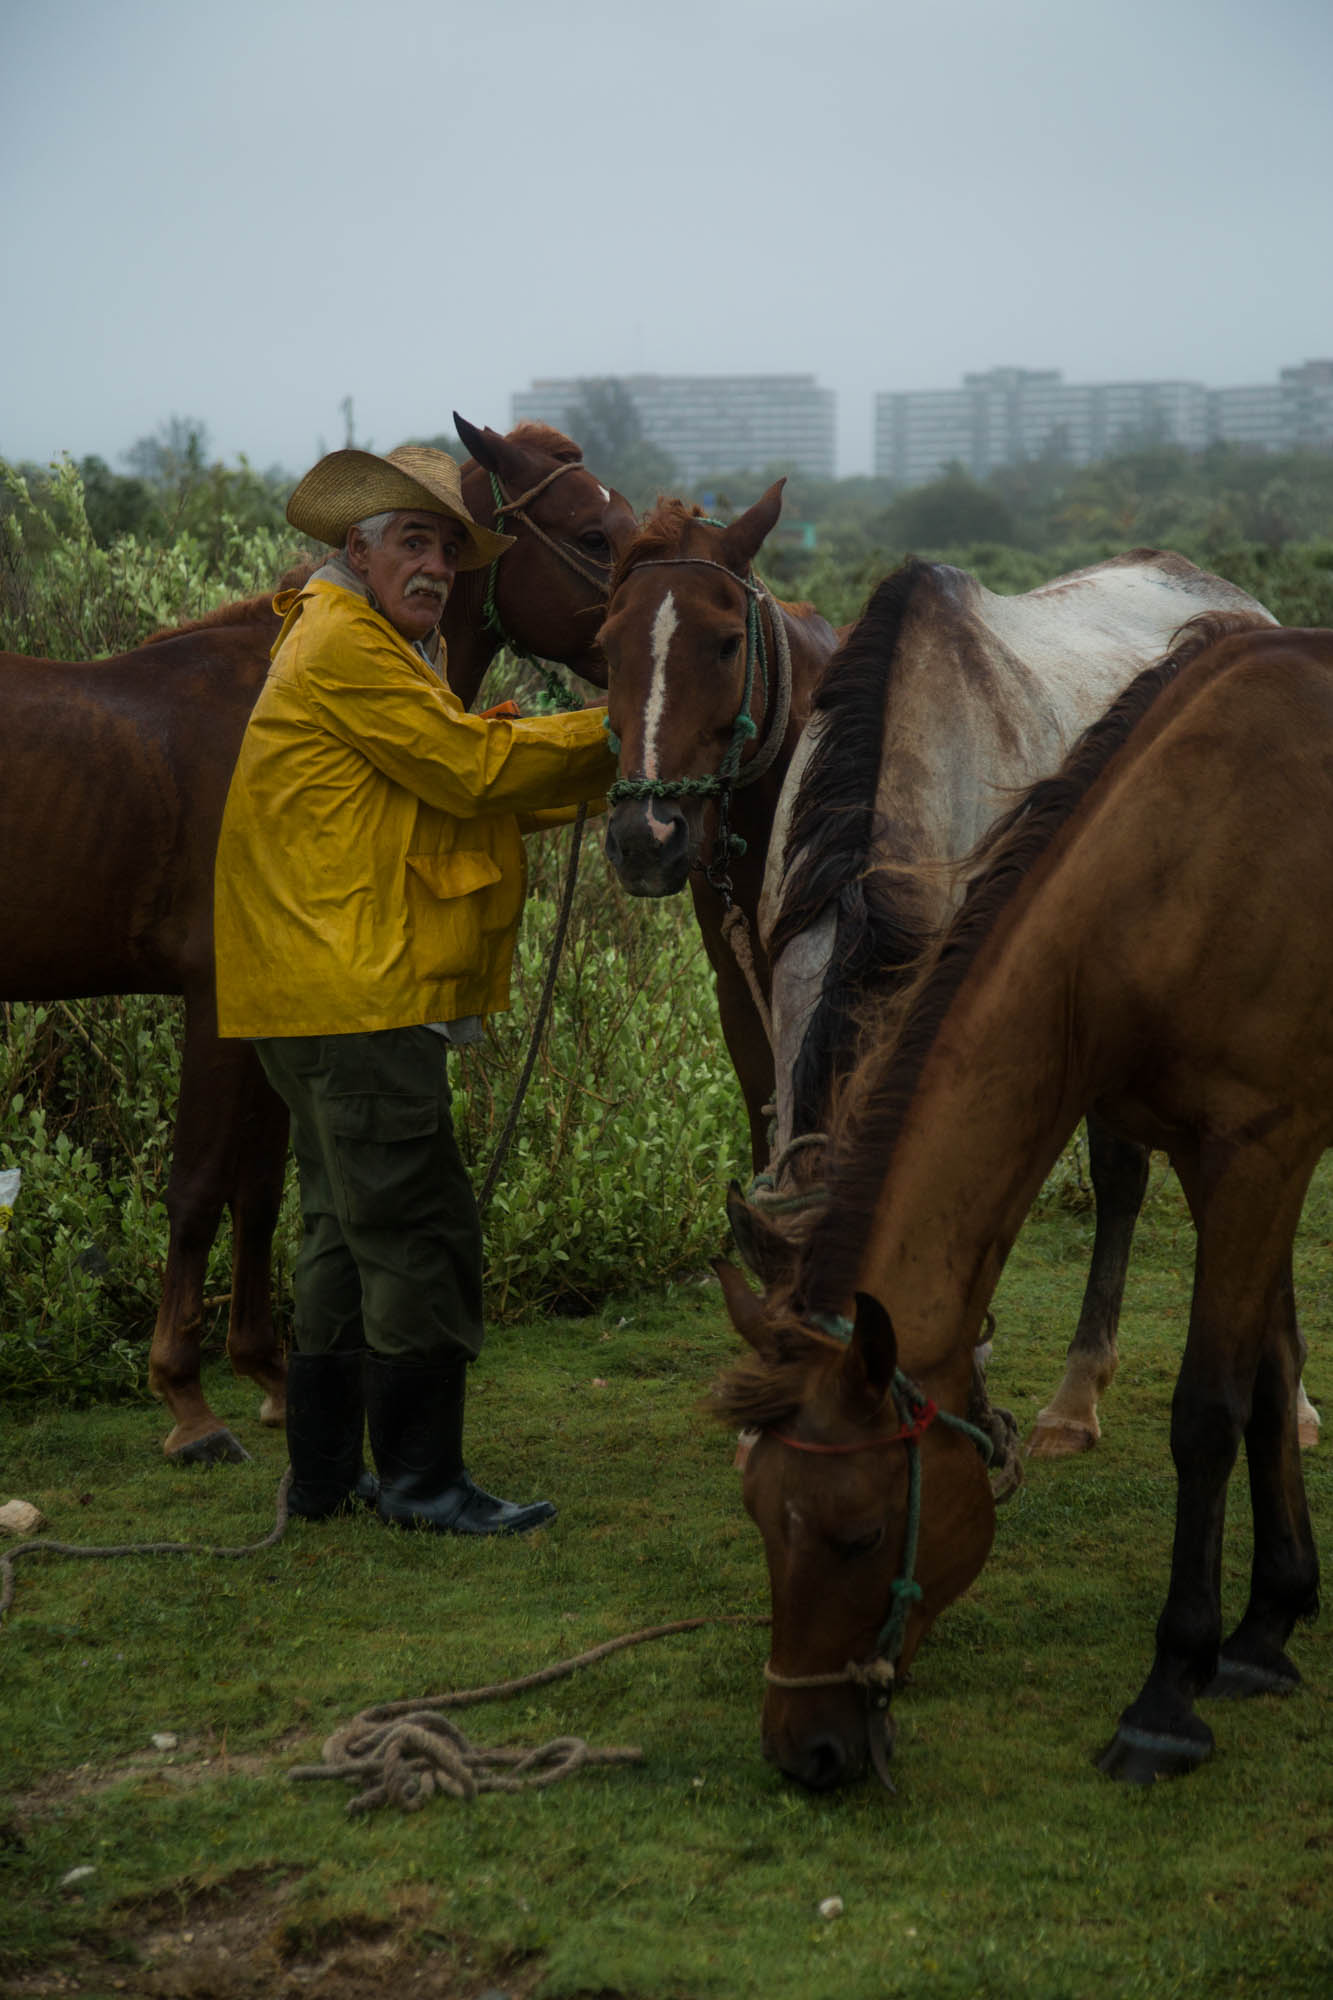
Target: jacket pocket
{"x": 446, "y": 911}
{"x": 456, "y": 874}
{"x": 385, "y": 1150}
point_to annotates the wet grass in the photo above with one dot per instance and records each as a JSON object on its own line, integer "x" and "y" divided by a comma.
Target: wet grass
{"x": 1005, "y": 1865}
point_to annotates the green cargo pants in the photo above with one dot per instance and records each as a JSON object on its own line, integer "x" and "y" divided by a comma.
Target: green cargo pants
{"x": 390, "y": 1252}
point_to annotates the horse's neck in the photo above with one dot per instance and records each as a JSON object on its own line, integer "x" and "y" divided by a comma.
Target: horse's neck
{"x": 754, "y": 807}
{"x": 997, "y": 1098}
{"x": 470, "y": 644}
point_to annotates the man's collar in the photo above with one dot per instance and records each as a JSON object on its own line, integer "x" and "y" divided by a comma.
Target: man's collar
{"x": 337, "y": 570}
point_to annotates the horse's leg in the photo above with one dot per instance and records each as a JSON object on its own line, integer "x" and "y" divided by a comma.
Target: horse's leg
{"x": 203, "y": 1148}
{"x": 258, "y": 1166}
{"x": 743, "y": 1030}
{"x": 1284, "y": 1575}
{"x": 1119, "y": 1171}
{"x": 1245, "y": 1210}
{"x": 752, "y": 1058}
{"x": 1307, "y": 1416}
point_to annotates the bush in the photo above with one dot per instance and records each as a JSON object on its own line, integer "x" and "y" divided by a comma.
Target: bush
{"x": 63, "y": 596}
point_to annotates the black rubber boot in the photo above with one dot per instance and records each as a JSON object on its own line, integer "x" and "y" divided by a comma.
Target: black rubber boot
{"x": 415, "y": 1414}
{"x": 326, "y": 1415}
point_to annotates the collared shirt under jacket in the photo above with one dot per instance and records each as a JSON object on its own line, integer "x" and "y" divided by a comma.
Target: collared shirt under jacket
{"x": 370, "y": 870}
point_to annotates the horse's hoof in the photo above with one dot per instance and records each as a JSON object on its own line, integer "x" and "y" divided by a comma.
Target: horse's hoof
{"x": 273, "y": 1411}
{"x": 1059, "y": 1437}
{"x": 1236, "y": 1680}
{"x": 219, "y": 1447}
{"x": 1141, "y": 1756}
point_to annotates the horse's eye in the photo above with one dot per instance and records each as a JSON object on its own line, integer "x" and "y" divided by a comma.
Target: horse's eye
{"x": 595, "y": 542}
{"x": 729, "y": 647}
{"x": 862, "y": 1545}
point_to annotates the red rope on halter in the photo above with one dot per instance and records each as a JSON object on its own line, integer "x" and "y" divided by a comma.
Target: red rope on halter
{"x": 921, "y": 1420}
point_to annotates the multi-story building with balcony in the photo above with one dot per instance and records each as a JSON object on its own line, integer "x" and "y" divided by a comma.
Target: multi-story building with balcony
{"x": 711, "y": 424}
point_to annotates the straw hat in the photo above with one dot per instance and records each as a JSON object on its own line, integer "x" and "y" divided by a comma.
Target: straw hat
{"x": 351, "y": 485}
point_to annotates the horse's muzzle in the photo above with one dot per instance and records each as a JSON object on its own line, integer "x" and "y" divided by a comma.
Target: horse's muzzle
{"x": 648, "y": 845}
{"x": 820, "y": 1761}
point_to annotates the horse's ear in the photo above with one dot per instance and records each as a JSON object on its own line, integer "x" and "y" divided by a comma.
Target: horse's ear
{"x": 872, "y": 1358}
{"x": 767, "y": 1253}
{"x": 492, "y": 452}
{"x": 745, "y": 537}
{"x": 745, "y": 1307}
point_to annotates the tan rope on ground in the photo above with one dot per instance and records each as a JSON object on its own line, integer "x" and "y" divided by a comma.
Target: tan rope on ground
{"x": 403, "y": 1752}
{"x": 44, "y": 1546}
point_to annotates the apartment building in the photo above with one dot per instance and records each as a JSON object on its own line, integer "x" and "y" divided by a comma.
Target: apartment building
{"x": 711, "y": 424}
{"x": 1009, "y": 414}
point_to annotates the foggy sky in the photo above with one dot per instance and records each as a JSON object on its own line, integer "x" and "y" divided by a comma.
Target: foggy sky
{"x": 245, "y": 213}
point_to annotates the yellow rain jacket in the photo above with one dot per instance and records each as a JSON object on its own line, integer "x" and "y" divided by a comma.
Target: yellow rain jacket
{"x": 370, "y": 869}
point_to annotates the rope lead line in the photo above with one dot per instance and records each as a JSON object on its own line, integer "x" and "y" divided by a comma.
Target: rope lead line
{"x": 543, "y": 1010}
{"x": 403, "y": 1752}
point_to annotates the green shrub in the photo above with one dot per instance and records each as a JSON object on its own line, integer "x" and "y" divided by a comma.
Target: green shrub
{"x": 63, "y": 596}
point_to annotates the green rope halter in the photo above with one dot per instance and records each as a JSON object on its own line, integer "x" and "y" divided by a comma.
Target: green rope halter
{"x": 743, "y": 728}
{"x": 730, "y": 775}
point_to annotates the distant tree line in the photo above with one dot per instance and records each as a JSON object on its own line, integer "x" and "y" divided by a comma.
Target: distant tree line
{"x": 173, "y": 488}
{"x": 1158, "y": 494}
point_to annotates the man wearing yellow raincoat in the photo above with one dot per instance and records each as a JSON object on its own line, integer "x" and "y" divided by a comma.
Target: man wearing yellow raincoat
{"x": 369, "y": 882}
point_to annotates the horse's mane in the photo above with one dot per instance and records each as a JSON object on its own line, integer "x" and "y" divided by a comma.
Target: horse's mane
{"x": 870, "y": 1115}
{"x": 764, "y": 1389}
{"x": 242, "y": 610}
{"x": 547, "y": 440}
{"x": 833, "y": 830}
{"x": 660, "y": 534}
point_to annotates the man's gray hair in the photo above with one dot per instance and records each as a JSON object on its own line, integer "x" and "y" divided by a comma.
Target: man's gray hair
{"x": 374, "y": 525}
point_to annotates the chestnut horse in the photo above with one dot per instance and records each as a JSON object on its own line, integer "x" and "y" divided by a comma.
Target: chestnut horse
{"x": 943, "y": 700}
{"x": 709, "y": 684}
{"x": 116, "y": 891}
{"x": 1150, "y": 932}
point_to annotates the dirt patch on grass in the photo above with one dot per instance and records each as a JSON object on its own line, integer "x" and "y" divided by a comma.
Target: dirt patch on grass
{"x": 236, "y": 1941}
{"x": 192, "y": 1761}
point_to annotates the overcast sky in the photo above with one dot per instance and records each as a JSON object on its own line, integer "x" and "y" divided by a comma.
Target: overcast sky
{"x": 245, "y": 212}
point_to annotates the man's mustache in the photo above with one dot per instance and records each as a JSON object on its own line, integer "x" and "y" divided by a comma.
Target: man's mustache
{"x": 428, "y": 587}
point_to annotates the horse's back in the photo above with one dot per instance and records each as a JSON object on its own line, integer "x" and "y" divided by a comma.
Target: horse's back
{"x": 1199, "y": 868}
{"x": 1085, "y": 634}
{"x": 945, "y": 702}
{"x": 113, "y": 774}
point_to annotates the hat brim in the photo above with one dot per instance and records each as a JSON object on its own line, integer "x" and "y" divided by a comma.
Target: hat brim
{"x": 349, "y": 486}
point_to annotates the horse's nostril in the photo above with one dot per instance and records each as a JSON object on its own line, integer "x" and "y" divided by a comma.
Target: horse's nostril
{"x": 650, "y": 854}
{"x": 824, "y": 1763}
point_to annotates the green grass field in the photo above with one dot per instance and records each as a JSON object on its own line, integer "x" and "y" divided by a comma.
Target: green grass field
{"x": 1004, "y": 1866}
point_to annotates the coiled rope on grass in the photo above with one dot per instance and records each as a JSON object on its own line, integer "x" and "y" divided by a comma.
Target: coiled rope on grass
{"x": 402, "y": 1753}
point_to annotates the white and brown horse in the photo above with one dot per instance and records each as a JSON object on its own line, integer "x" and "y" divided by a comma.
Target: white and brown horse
{"x": 944, "y": 700}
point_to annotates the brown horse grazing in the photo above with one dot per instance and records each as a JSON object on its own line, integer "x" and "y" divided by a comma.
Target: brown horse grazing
{"x": 942, "y": 702}
{"x": 113, "y": 776}
{"x": 709, "y": 683}
{"x": 1150, "y": 932}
